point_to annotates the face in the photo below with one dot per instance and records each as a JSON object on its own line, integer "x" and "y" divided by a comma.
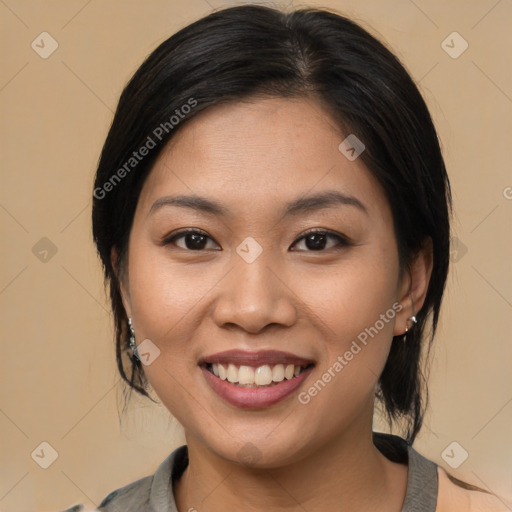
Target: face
{"x": 291, "y": 267}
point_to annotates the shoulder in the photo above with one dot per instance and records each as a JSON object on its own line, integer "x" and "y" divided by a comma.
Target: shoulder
{"x": 132, "y": 497}
{"x": 454, "y": 498}
{"x": 432, "y": 487}
{"x": 148, "y": 493}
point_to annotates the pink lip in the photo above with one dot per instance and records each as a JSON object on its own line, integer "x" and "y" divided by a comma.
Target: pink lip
{"x": 257, "y": 397}
{"x": 254, "y": 359}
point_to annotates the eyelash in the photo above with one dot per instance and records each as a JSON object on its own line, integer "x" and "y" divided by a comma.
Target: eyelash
{"x": 343, "y": 241}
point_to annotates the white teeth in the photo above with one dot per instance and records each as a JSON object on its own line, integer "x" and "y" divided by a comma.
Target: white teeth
{"x": 232, "y": 374}
{"x": 278, "y": 373}
{"x": 261, "y": 376}
{"x": 245, "y": 375}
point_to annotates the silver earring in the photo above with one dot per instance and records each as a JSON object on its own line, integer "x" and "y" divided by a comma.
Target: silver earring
{"x": 413, "y": 321}
{"x": 131, "y": 343}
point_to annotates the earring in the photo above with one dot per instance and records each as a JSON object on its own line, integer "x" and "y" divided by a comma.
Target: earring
{"x": 413, "y": 321}
{"x": 131, "y": 342}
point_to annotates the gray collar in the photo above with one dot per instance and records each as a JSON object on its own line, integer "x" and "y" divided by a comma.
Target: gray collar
{"x": 422, "y": 484}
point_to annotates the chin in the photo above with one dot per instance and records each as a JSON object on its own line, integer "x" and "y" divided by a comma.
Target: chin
{"x": 261, "y": 451}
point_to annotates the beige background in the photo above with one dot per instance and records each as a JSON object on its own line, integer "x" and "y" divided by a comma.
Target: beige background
{"x": 58, "y": 379}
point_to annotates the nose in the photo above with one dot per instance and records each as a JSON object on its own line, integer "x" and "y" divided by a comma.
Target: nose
{"x": 253, "y": 296}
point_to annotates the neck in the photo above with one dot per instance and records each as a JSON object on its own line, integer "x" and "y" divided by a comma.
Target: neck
{"x": 346, "y": 474}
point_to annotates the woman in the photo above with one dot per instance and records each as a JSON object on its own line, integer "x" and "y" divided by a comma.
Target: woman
{"x": 271, "y": 209}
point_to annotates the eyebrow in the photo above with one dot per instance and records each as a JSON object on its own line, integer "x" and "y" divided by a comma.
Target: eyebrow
{"x": 310, "y": 203}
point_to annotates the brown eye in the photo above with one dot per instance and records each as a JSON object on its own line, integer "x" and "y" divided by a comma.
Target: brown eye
{"x": 193, "y": 240}
{"x": 318, "y": 240}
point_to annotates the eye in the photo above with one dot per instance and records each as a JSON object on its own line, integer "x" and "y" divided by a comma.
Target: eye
{"x": 194, "y": 239}
{"x": 317, "y": 240}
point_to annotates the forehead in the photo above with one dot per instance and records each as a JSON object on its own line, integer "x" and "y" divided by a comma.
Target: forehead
{"x": 264, "y": 151}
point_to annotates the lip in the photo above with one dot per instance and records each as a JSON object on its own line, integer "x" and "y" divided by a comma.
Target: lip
{"x": 254, "y": 359}
{"x": 256, "y": 397}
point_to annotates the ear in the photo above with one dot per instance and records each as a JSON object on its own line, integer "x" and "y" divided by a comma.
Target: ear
{"x": 413, "y": 286}
{"x": 122, "y": 278}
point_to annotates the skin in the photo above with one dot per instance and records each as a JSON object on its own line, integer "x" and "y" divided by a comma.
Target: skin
{"x": 253, "y": 157}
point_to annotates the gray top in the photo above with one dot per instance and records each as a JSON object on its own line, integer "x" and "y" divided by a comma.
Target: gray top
{"x": 155, "y": 493}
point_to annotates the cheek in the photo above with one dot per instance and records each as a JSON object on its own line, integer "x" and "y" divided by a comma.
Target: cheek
{"x": 355, "y": 309}
{"x": 163, "y": 300}
{"x": 163, "y": 293}
{"x": 351, "y": 298}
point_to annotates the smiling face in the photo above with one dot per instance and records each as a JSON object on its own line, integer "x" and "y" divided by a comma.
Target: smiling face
{"x": 255, "y": 280}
